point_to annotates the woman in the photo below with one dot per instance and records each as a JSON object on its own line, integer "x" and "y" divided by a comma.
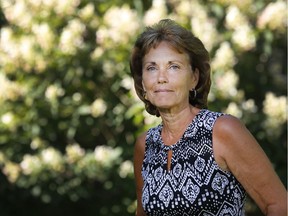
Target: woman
{"x": 196, "y": 162}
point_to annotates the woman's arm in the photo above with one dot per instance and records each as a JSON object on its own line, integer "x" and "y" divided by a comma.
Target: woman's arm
{"x": 237, "y": 150}
{"x": 138, "y": 160}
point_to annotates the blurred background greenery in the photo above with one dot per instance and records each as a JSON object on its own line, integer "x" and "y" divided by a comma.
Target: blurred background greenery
{"x": 69, "y": 115}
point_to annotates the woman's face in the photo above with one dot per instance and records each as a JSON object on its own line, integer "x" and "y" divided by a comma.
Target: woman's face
{"x": 168, "y": 77}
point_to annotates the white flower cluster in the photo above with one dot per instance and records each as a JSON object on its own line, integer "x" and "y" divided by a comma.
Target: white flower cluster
{"x": 49, "y": 158}
{"x": 237, "y": 110}
{"x": 243, "y": 4}
{"x": 243, "y": 35}
{"x": 234, "y": 109}
{"x": 225, "y": 77}
{"x": 127, "y": 82}
{"x": 38, "y": 143}
{"x": 226, "y": 84}
{"x": 22, "y": 12}
{"x": 120, "y": 24}
{"x": 87, "y": 13}
{"x": 12, "y": 171}
{"x": 126, "y": 169}
{"x": 275, "y": 109}
{"x": 106, "y": 156}
{"x": 23, "y": 52}
{"x": 71, "y": 38}
{"x": 45, "y": 36}
{"x": 274, "y": 16}
{"x": 157, "y": 12}
{"x": 17, "y": 12}
{"x": 224, "y": 58}
{"x": 97, "y": 53}
{"x": 74, "y": 152}
{"x": 20, "y": 52}
{"x": 62, "y": 8}
{"x": 109, "y": 68}
{"x": 52, "y": 160}
{"x": 9, "y": 120}
{"x": 98, "y": 107}
{"x": 202, "y": 25}
{"x": 53, "y": 92}
{"x": 31, "y": 164}
{"x": 250, "y": 106}
{"x": 10, "y": 90}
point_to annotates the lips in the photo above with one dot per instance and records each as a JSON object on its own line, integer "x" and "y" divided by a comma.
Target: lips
{"x": 162, "y": 90}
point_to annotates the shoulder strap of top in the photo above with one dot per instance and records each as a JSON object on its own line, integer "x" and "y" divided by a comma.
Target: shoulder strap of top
{"x": 209, "y": 118}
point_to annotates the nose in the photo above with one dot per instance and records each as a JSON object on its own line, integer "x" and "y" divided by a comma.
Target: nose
{"x": 162, "y": 76}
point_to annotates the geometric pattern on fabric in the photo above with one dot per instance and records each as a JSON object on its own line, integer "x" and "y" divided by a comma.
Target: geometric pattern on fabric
{"x": 195, "y": 184}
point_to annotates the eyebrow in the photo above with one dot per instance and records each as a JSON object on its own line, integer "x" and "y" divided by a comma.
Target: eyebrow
{"x": 169, "y": 62}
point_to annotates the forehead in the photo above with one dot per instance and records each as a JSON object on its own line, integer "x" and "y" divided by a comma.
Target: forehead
{"x": 165, "y": 49}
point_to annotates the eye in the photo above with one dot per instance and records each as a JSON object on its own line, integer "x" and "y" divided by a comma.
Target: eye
{"x": 151, "y": 68}
{"x": 174, "y": 67}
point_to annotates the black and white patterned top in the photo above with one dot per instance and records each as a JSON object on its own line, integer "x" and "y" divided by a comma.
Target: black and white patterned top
{"x": 195, "y": 184}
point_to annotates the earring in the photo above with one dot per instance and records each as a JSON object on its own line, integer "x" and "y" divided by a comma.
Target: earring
{"x": 193, "y": 94}
{"x": 145, "y": 95}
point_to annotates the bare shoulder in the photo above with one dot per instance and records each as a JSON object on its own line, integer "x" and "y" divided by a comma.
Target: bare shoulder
{"x": 230, "y": 138}
{"x": 231, "y": 131}
{"x": 237, "y": 150}
{"x": 140, "y": 143}
{"x": 228, "y": 124}
{"x": 139, "y": 149}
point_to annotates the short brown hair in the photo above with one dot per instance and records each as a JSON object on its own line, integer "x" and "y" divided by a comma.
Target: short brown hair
{"x": 184, "y": 41}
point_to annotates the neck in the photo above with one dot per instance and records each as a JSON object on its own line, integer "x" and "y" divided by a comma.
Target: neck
{"x": 175, "y": 124}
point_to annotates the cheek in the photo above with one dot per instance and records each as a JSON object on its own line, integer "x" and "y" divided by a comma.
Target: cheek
{"x": 147, "y": 82}
{"x": 144, "y": 84}
{"x": 184, "y": 84}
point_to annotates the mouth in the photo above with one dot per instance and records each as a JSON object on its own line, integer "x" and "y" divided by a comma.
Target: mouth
{"x": 162, "y": 90}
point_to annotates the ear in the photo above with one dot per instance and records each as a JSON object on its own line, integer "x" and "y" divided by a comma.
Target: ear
{"x": 195, "y": 77}
{"x": 143, "y": 86}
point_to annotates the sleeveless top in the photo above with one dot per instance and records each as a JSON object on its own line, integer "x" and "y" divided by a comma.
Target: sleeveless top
{"x": 195, "y": 184}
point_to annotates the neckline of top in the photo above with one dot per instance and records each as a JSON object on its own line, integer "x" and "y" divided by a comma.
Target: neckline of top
{"x": 171, "y": 147}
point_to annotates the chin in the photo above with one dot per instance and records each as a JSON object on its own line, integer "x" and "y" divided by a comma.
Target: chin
{"x": 164, "y": 106}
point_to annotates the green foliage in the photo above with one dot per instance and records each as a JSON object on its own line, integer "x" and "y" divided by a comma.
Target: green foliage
{"x": 69, "y": 115}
